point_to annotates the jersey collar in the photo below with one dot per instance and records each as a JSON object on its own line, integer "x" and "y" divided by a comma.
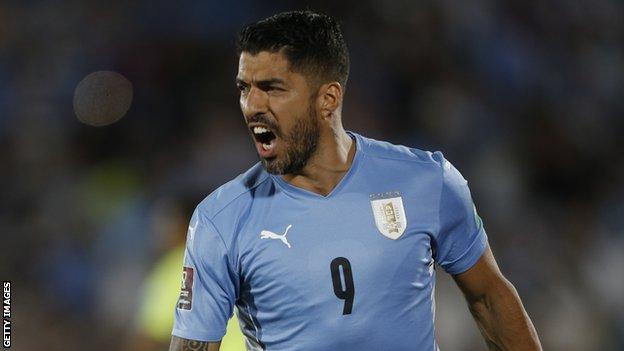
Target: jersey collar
{"x": 303, "y": 193}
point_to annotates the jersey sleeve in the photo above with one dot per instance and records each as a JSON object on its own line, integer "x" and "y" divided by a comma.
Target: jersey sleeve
{"x": 461, "y": 239}
{"x": 209, "y": 284}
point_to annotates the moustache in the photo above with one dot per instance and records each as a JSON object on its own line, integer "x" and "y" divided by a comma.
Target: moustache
{"x": 269, "y": 122}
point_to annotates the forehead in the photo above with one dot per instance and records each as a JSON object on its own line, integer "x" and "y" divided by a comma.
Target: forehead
{"x": 263, "y": 65}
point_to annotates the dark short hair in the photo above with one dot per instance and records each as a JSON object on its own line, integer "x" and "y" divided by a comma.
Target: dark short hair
{"x": 311, "y": 42}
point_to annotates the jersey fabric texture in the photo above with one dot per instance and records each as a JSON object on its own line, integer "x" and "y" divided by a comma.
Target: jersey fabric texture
{"x": 353, "y": 270}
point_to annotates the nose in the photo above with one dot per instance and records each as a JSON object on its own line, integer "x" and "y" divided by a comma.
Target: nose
{"x": 254, "y": 102}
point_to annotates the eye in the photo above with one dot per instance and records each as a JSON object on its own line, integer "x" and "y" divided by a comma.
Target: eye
{"x": 243, "y": 88}
{"x": 272, "y": 88}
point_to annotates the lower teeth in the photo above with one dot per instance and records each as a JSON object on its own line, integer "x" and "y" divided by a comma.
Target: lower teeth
{"x": 266, "y": 146}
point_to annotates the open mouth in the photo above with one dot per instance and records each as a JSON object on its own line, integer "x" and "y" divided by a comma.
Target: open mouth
{"x": 265, "y": 139}
{"x": 264, "y": 136}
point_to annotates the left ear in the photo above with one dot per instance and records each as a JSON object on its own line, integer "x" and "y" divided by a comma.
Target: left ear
{"x": 329, "y": 99}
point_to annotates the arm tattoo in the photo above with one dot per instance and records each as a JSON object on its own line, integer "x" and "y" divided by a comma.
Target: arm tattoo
{"x": 179, "y": 344}
{"x": 194, "y": 345}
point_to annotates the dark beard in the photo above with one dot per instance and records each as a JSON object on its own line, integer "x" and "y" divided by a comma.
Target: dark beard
{"x": 300, "y": 144}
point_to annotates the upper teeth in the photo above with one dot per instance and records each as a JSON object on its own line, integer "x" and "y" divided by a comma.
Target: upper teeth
{"x": 260, "y": 130}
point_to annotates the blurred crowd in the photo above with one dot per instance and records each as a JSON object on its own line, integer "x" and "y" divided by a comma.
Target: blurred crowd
{"x": 526, "y": 98}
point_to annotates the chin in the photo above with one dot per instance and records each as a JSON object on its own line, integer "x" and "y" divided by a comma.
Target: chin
{"x": 272, "y": 166}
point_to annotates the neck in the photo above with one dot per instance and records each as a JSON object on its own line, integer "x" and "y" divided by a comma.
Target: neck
{"x": 328, "y": 165}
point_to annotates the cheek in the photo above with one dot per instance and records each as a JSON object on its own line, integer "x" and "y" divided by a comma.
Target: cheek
{"x": 282, "y": 111}
{"x": 288, "y": 111}
{"x": 242, "y": 103}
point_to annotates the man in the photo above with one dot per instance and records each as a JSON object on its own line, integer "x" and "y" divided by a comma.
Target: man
{"x": 329, "y": 243}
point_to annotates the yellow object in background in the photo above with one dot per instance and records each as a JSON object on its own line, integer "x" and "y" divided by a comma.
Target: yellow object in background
{"x": 159, "y": 296}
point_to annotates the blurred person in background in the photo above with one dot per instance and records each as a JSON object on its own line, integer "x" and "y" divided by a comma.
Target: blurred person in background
{"x": 337, "y": 208}
{"x": 160, "y": 290}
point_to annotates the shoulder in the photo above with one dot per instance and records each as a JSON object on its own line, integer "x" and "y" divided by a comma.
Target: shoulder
{"x": 413, "y": 161}
{"x": 233, "y": 193}
{"x": 383, "y": 150}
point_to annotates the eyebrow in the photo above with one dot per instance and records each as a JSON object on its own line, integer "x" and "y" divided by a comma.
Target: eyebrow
{"x": 263, "y": 82}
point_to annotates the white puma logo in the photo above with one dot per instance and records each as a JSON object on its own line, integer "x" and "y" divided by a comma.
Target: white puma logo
{"x": 266, "y": 234}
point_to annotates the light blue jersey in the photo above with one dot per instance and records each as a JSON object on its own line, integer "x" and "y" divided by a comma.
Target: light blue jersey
{"x": 353, "y": 270}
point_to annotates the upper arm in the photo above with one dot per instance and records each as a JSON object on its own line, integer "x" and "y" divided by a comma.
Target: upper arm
{"x": 460, "y": 239}
{"x": 180, "y": 344}
{"x": 209, "y": 285}
{"x": 482, "y": 278}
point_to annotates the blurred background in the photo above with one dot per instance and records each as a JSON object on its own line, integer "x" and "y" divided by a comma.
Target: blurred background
{"x": 526, "y": 98}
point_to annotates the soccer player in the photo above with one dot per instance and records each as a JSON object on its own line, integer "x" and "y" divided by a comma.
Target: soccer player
{"x": 330, "y": 241}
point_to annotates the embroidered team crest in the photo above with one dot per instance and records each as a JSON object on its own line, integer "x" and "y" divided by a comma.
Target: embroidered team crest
{"x": 389, "y": 214}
